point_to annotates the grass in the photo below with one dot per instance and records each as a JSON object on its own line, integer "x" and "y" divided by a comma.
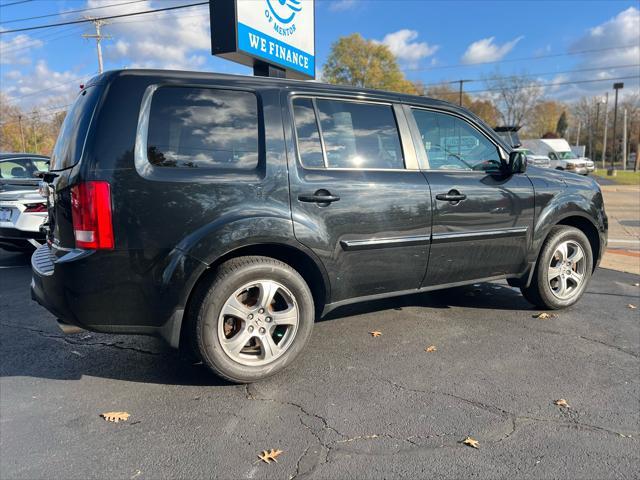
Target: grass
{"x": 627, "y": 177}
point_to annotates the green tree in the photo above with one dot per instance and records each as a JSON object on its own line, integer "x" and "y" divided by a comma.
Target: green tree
{"x": 561, "y": 127}
{"x": 363, "y": 63}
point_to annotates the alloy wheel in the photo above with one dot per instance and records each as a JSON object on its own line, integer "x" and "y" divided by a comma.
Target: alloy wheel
{"x": 258, "y": 323}
{"x": 567, "y": 268}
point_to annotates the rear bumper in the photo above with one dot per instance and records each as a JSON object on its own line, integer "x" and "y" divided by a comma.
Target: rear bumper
{"x": 101, "y": 292}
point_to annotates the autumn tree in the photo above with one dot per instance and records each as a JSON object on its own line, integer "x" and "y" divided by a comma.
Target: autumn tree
{"x": 34, "y": 131}
{"x": 515, "y": 96}
{"x": 364, "y": 63}
{"x": 562, "y": 125}
{"x": 483, "y": 108}
{"x": 544, "y": 118}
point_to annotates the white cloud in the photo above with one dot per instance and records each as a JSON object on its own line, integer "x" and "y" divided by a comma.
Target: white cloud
{"x": 42, "y": 86}
{"x": 16, "y": 50}
{"x": 404, "y": 46}
{"x": 485, "y": 50}
{"x": 619, "y": 31}
{"x": 342, "y": 5}
{"x": 160, "y": 40}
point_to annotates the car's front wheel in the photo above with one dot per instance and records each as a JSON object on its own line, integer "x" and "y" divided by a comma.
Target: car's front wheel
{"x": 563, "y": 270}
{"x": 254, "y": 319}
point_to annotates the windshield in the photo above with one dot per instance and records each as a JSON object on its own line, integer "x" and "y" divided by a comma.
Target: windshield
{"x": 567, "y": 155}
{"x": 22, "y": 168}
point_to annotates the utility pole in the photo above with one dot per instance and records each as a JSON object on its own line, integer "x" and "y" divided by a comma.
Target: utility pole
{"x": 606, "y": 124}
{"x": 635, "y": 165}
{"x": 614, "y": 157}
{"x": 578, "y": 133}
{"x": 461, "y": 82}
{"x": 624, "y": 141}
{"x": 595, "y": 132}
{"x": 99, "y": 37}
{"x": 24, "y": 146}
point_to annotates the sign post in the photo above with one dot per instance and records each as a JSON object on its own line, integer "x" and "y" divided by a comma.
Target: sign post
{"x": 275, "y": 37}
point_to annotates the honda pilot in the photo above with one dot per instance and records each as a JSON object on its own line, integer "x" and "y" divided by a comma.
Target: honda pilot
{"x": 226, "y": 213}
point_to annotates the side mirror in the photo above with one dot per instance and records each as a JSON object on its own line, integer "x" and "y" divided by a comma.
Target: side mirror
{"x": 517, "y": 162}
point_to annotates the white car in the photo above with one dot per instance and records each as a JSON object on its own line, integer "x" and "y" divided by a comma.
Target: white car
{"x": 536, "y": 160}
{"x": 22, "y": 209}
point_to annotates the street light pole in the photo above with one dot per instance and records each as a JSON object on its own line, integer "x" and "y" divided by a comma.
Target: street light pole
{"x": 606, "y": 126}
{"x": 614, "y": 157}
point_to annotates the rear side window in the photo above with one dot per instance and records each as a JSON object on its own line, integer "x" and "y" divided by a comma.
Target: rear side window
{"x": 203, "y": 128}
{"x": 309, "y": 146}
{"x": 73, "y": 132}
{"x": 354, "y": 135}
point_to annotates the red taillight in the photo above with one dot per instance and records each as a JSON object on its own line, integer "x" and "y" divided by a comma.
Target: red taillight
{"x": 36, "y": 208}
{"x": 91, "y": 212}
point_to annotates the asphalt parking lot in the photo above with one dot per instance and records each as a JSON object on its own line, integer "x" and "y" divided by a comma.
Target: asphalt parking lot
{"x": 353, "y": 406}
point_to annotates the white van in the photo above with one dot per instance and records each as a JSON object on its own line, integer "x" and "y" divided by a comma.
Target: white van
{"x": 560, "y": 155}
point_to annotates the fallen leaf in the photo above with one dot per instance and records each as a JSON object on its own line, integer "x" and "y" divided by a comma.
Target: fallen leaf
{"x": 632, "y": 307}
{"x": 431, "y": 348}
{"x": 375, "y": 333}
{"x": 561, "y": 403}
{"x": 115, "y": 416}
{"x": 267, "y": 456}
{"x": 544, "y": 316}
{"x": 471, "y": 442}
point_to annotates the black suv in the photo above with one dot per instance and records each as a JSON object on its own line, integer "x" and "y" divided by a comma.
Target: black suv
{"x": 227, "y": 212}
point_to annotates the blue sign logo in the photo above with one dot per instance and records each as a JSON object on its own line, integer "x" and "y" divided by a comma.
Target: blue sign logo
{"x": 284, "y": 11}
{"x": 281, "y": 13}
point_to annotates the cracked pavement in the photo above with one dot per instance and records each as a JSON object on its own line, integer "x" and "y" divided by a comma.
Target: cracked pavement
{"x": 352, "y": 406}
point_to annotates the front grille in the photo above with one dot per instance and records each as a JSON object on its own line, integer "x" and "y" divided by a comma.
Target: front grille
{"x": 42, "y": 260}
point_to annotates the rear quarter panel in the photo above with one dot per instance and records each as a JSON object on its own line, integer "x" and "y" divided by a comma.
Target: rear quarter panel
{"x": 171, "y": 223}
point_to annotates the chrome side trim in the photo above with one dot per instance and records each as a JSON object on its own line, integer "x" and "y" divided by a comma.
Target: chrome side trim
{"x": 479, "y": 235}
{"x": 385, "y": 242}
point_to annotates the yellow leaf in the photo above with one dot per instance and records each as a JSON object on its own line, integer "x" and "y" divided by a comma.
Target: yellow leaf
{"x": 375, "y": 333}
{"x": 632, "y": 307}
{"x": 544, "y": 316}
{"x": 561, "y": 403}
{"x": 115, "y": 416}
{"x": 431, "y": 348}
{"x": 267, "y": 456}
{"x": 471, "y": 442}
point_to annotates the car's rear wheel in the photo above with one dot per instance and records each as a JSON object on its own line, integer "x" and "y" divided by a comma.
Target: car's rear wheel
{"x": 563, "y": 270}
{"x": 254, "y": 319}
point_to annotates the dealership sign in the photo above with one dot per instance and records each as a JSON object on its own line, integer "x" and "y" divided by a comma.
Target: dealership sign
{"x": 276, "y": 32}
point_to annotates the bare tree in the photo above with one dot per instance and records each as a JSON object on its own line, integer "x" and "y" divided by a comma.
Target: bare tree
{"x": 515, "y": 96}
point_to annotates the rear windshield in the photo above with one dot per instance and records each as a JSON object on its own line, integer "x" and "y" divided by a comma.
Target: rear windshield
{"x": 73, "y": 132}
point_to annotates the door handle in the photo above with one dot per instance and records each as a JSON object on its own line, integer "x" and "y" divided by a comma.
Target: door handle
{"x": 320, "y": 197}
{"x": 452, "y": 196}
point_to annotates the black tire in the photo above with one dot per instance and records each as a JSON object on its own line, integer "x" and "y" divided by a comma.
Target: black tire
{"x": 539, "y": 293}
{"x": 229, "y": 277}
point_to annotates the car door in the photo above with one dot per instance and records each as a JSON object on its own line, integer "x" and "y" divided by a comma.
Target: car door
{"x": 358, "y": 198}
{"x": 482, "y": 217}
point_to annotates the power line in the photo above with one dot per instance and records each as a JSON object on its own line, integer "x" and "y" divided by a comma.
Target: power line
{"x": 555, "y": 84}
{"x": 73, "y": 22}
{"x": 59, "y": 14}
{"x": 577, "y": 52}
{"x": 15, "y": 3}
{"x": 536, "y": 74}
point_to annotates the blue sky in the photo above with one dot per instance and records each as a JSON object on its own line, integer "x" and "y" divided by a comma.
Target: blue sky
{"x": 431, "y": 39}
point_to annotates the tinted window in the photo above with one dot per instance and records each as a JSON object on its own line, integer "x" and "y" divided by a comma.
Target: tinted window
{"x": 309, "y": 147}
{"x": 453, "y": 144}
{"x": 74, "y": 129}
{"x": 359, "y": 135}
{"x": 203, "y": 128}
